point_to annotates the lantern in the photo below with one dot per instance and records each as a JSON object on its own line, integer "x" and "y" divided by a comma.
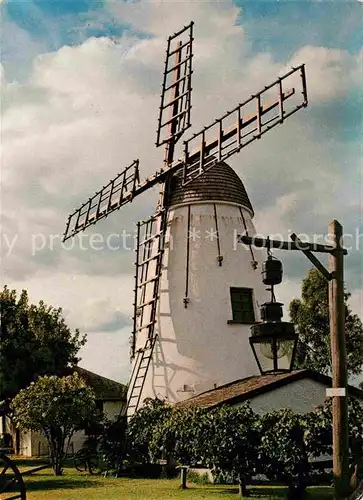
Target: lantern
{"x": 273, "y": 341}
{"x": 272, "y": 271}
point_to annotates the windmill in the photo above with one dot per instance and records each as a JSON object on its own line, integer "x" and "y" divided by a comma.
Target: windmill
{"x": 191, "y": 314}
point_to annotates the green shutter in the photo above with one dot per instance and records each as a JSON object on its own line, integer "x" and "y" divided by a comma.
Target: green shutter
{"x": 242, "y": 305}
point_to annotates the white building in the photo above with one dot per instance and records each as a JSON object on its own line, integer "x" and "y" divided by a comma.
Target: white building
{"x": 299, "y": 390}
{"x": 110, "y": 398}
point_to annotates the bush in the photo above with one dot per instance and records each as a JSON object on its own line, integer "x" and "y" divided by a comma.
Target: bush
{"x": 223, "y": 477}
{"x": 196, "y": 478}
{"x": 283, "y": 453}
{"x": 141, "y": 429}
{"x": 113, "y": 444}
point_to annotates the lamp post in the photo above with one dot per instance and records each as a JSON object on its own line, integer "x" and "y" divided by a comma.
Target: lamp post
{"x": 273, "y": 341}
{"x": 338, "y": 392}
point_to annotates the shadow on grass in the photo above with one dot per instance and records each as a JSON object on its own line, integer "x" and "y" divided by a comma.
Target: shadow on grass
{"x": 267, "y": 493}
{"x": 263, "y": 493}
{"x": 29, "y": 462}
{"x": 323, "y": 493}
{"x": 58, "y": 483}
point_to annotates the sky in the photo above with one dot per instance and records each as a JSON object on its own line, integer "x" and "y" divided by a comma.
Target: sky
{"x": 80, "y": 91}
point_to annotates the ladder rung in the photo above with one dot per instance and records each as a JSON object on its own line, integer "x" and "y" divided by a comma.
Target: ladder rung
{"x": 148, "y": 260}
{"x": 140, "y": 373}
{"x": 148, "y": 302}
{"x": 145, "y": 367}
{"x": 147, "y": 359}
{"x": 150, "y": 238}
{"x": 148, "y": 281}
{"x": 142, "y": 351}
{"x": 145, "y": 326}
{"x": 152, "y": 219}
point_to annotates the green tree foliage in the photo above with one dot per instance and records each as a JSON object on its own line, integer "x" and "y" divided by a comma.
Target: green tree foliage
{"x": 180, "y": 434}
{"x": 56, "y": 408}
{"x": 231, "y": 442}
{"x": 240, "y": 443}
{"x": 141, "y": 429}
{"x": 318, "y": 434}
{"x": 311, "y": 317}
{"x": 113, "y": 444}
{"x": 283, "y": 454}
{"x": 35, "y": 341}
{"x": 224, "y": 439}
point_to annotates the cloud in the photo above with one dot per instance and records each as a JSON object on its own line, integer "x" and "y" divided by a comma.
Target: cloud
{"x": 152, "y": 17}
{"x": 112, "y": 323}
{"x": 329, "y": 71}
{"x": 108, "y": 354}
{"x": 102, "y": 308}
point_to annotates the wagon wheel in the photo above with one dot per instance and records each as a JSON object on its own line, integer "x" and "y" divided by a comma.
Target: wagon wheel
{"x": 84, "y": 460}
{"x": 93, "y": 463}
{"x": 80, "y": 460}
{"x": 12, "y": 486}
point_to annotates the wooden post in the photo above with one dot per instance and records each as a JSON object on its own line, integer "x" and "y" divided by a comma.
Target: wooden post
{"x": 242, "y": 486}
{"x": 183, "y": 477}
{"x": 339, "y": 366}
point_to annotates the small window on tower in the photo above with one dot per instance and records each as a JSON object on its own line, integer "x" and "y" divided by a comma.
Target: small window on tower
{"x": 242, "y": 306}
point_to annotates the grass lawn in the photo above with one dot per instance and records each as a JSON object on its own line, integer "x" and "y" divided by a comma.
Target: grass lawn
{"x": 73, "y": 485}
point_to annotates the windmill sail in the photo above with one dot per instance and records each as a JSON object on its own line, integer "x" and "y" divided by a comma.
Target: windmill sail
{"x": 111, "y": 197}
{"x": 149, "y": 251}
{"x": 149, "y": 258}
{"x": 174, "y": 115}
{"x": 251, "y": 119}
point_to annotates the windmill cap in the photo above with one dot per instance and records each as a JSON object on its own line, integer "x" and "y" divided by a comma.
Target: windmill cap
{"x": 220, "y": 183}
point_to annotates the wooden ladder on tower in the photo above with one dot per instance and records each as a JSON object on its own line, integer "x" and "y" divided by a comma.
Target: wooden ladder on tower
{"x": 149, "y": 258}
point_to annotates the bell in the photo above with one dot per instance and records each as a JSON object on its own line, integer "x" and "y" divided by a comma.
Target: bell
{"x": 272, "y": 271}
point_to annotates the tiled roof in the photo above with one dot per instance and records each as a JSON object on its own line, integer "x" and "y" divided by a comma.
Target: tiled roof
{"x": 244, "y": 389}
{"x": 220, "y": 183}
{"x": 104, "y": 388}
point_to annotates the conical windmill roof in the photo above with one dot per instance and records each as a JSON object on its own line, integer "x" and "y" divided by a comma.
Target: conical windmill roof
{"x": 220, "y": 183}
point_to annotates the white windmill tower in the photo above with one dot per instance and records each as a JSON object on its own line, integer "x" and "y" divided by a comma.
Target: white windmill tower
{"x": 197, "y": 292}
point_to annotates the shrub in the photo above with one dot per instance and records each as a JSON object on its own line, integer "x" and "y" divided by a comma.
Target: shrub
{"x": 194, "y": 477}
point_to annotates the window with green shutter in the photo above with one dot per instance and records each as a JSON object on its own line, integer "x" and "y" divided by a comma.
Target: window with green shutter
{"x": 242, "y": 305}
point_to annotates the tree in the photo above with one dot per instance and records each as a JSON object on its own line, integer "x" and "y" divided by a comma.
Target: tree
{"x": 224, "y": 439}
{"x": 282, "y": 452}
{"x": 311, "y": 317}
{"x": 181, "y": 434}
{"x": 141, "y": 428}
{"x": 113, "y": 444}
{"x": 56, "y": 408}
{"x": 232, "y": 442}
{"x": 318, "y": 435}
{"x": 35, "y": 341}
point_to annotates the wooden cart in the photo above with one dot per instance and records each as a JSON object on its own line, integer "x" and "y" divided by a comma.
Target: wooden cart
{"x": 12, "y": 486}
